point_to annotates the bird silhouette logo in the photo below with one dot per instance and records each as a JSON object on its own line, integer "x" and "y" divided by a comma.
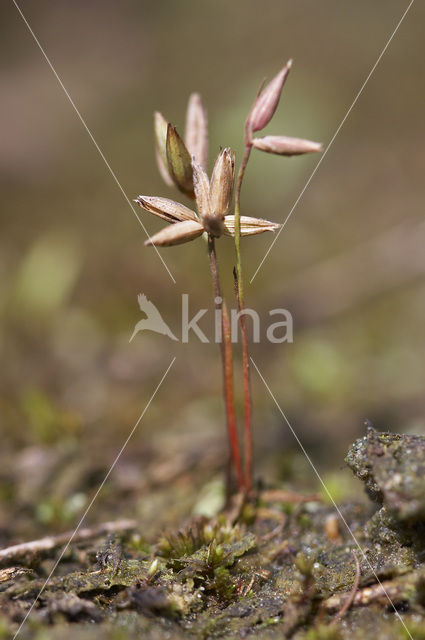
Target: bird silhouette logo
{"x": 153, "y": 321}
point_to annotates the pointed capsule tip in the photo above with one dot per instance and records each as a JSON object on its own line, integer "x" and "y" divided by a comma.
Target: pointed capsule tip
{"x": 267, "y": 100}
{"x": 158, "y": 119}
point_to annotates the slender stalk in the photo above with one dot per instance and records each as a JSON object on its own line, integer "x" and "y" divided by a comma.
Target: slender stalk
{"x": 230, "y": 407}
{"x": 248, "y": 448}
{"x": 241, "y": 173}
{"x": 227, "y": 364}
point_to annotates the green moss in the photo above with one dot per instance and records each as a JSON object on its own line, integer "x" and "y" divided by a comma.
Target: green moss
{"x": 323, "y": 632}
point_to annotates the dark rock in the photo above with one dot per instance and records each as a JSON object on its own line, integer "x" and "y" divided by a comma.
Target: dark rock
{"x": 392, "y": 466}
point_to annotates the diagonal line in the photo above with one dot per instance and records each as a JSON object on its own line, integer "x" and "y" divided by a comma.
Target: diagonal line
{"x": 111, "y": 171}
{"x": 94, "y": 497}
{"x": 341, "y": 124}
{"x": 331, "y": 498}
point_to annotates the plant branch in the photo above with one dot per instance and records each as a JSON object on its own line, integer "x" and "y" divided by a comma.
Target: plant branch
{"x": 26, "y": 551}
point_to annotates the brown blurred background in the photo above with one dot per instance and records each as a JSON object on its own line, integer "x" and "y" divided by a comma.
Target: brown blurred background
{"x": 349, "y": 264}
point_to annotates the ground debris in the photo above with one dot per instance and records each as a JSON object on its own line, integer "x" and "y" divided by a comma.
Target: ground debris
{"x": 27, "y": 552}
{"x": 214, "y": 578}
{"x": 70, "y": 606}
{"x": 398, "y": 590}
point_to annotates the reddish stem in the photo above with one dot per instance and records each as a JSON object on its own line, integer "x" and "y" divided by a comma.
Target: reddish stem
{"x": 248, "y": 446}
{"x": 227, "y": 364}
{"x": 229, "y": 398}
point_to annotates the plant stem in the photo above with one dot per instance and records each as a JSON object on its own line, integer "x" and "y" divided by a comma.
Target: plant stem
{"x": 227, "y": 365}
{"x": 248, "y": 455}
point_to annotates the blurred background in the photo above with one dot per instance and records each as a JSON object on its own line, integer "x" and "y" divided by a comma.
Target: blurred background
{"x": 349, "y": 264}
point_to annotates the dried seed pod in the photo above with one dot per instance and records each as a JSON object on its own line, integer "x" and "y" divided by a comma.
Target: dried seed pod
{"x": 249, "y": 226}
{"x": 179, "y": 163}
{"x": 266, "y": 103}
{"x": 177, "y": 233}
{"x": 166, "y": 209}
{"x": 160, "y": 130}
{"x": 201, "y": 186}
{"x": 196, "y": 133}
{"x": 213, "y": 223}
{"x": 222, "y": 181}
{"x": 284, "y": 146}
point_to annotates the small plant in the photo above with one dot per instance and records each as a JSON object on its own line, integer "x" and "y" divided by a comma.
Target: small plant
{"x": 204, "y": 552}
{"x": 183, "y": 164}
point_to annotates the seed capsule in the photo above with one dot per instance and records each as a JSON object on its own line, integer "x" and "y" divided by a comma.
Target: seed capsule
{"x": 222, "y": 180}
{"x": 165, "y": 208}
{"x": 284, "y": 146}
{"x": 266, "y": 103}
{"x": 196, "y": 133}
{"x": 160, "y": 129}
{"x": 201, "y": 186}
{"x": 249, "y": 226}
{"x": 179, "y": 163}
{"x": 177, "y": 233}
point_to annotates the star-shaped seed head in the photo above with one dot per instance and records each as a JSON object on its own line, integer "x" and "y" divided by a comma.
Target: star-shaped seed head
{"x": 213, "y": 200}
